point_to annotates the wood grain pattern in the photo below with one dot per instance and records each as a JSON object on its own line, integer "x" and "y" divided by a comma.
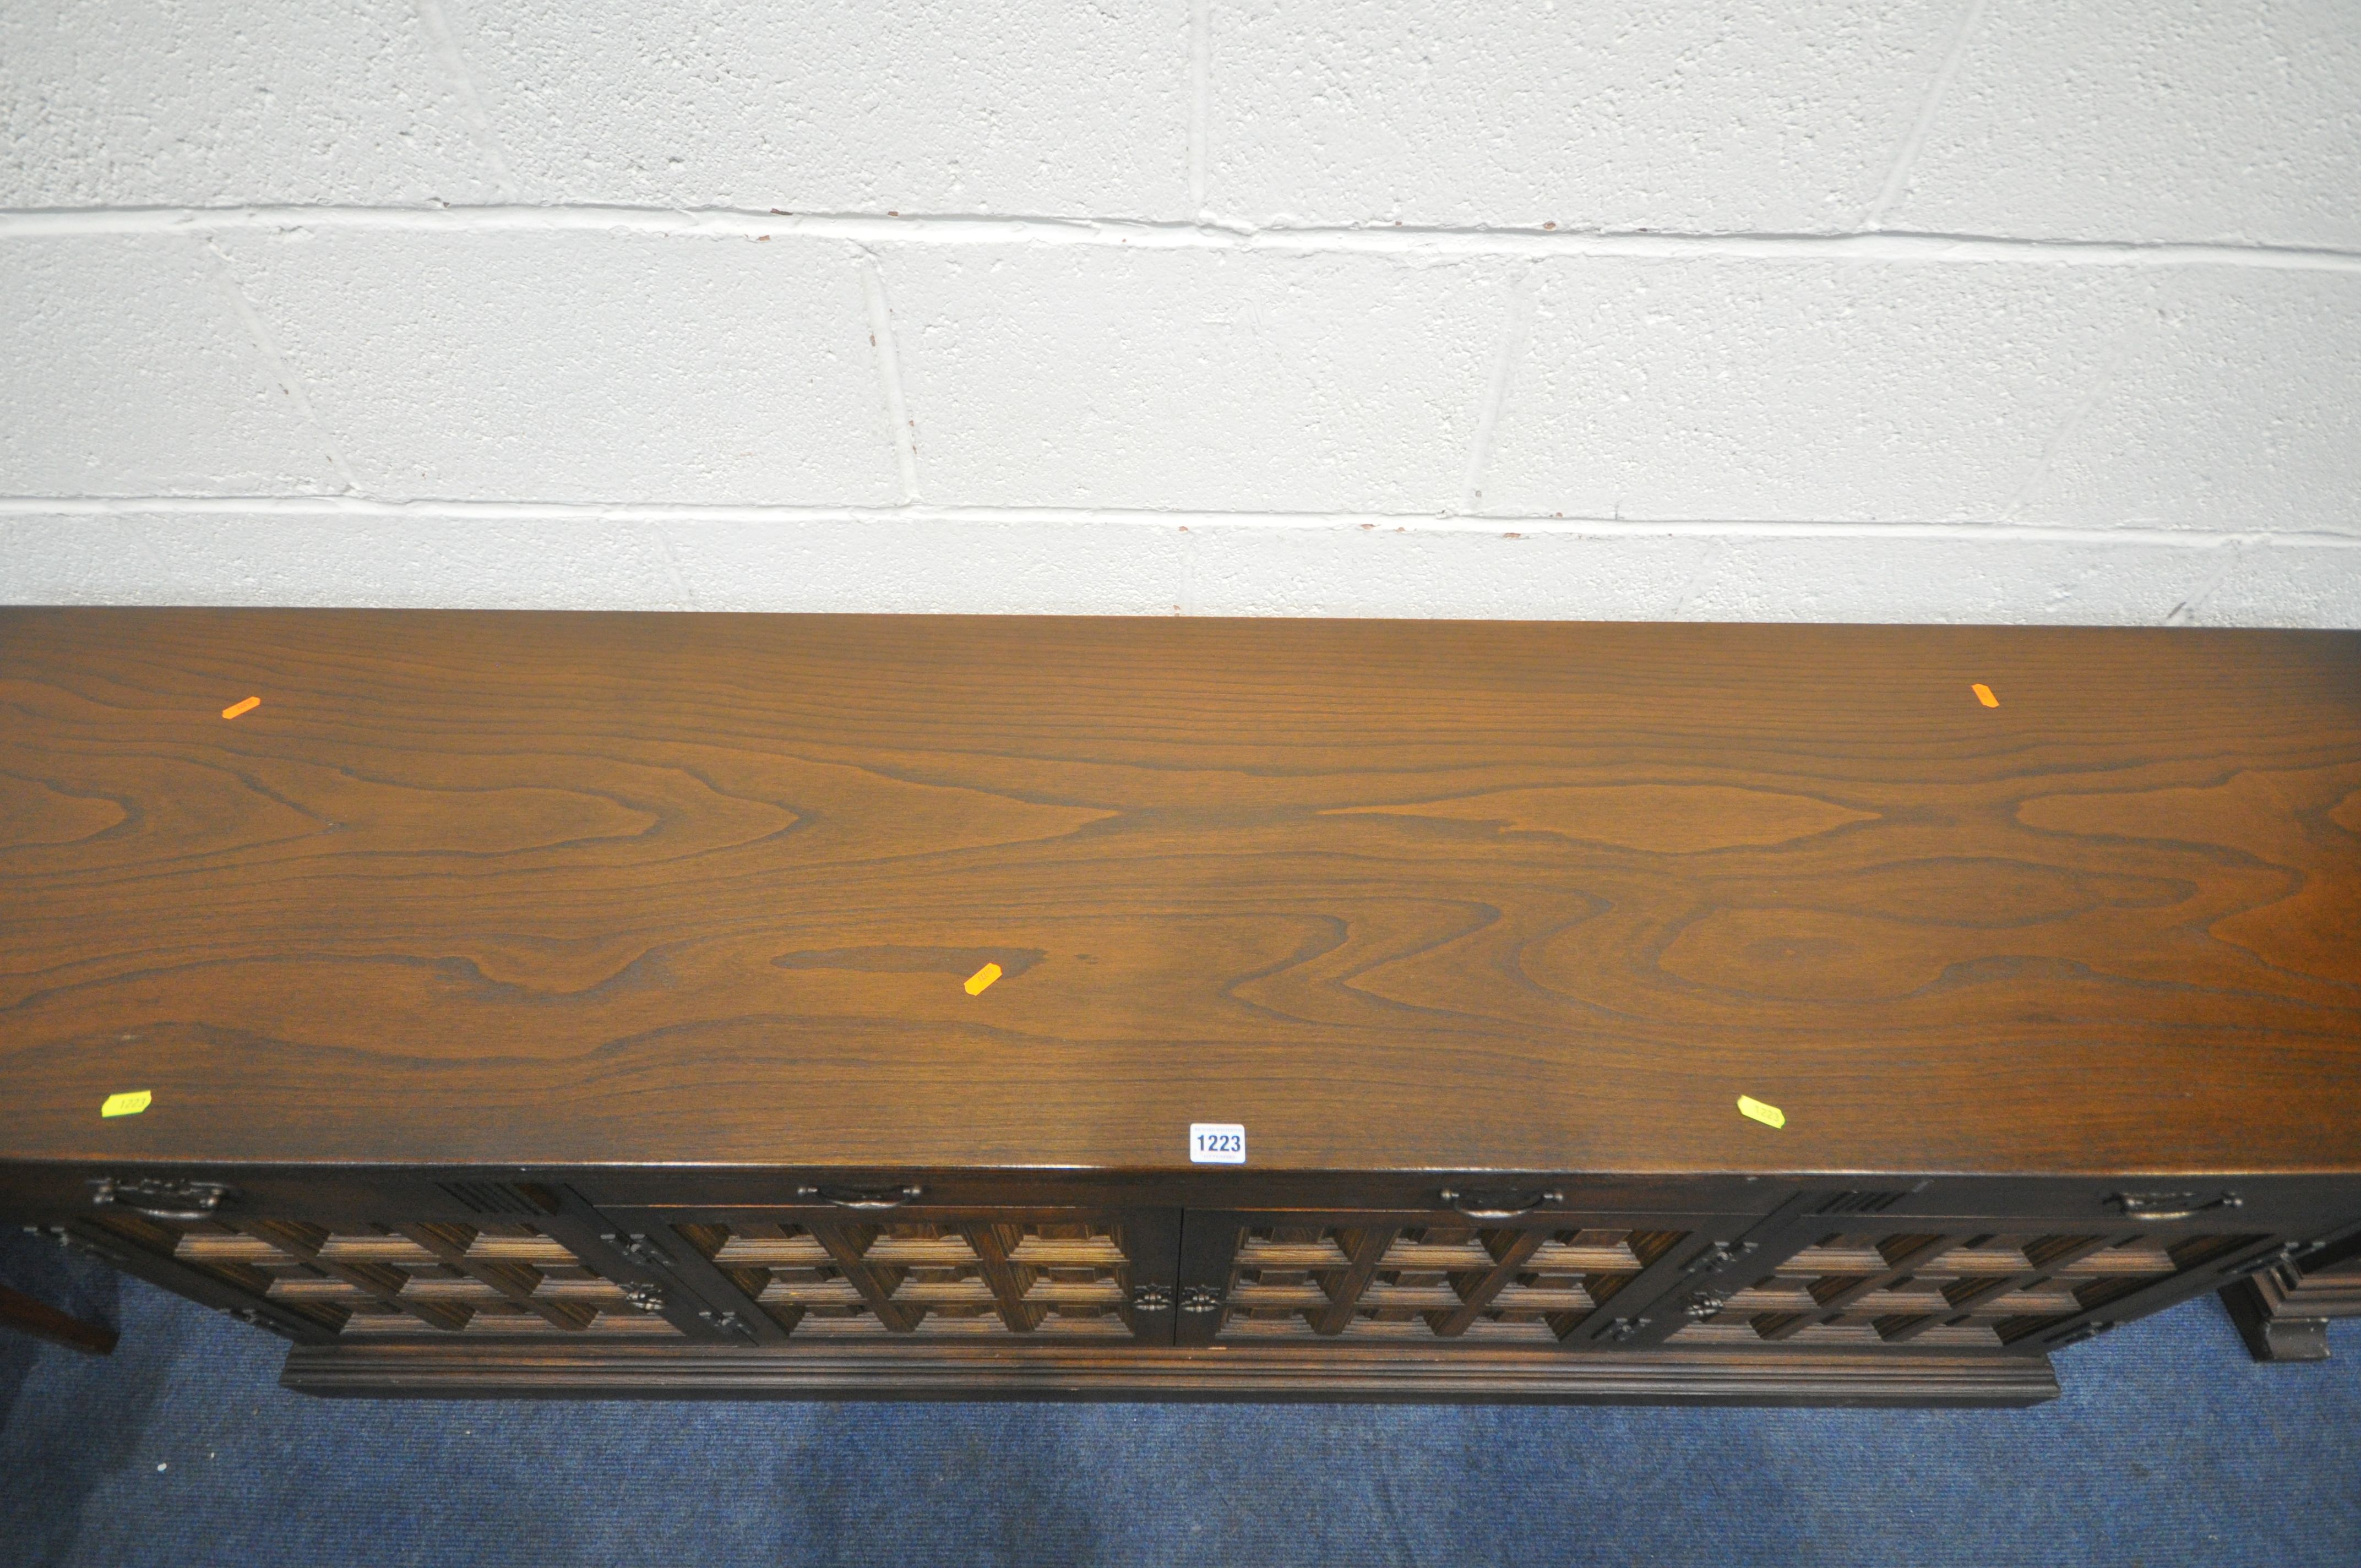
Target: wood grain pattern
{"x": 566, "y": 888}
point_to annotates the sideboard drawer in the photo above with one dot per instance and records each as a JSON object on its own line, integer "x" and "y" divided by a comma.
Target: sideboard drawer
{"x": 2151, "y": 1202}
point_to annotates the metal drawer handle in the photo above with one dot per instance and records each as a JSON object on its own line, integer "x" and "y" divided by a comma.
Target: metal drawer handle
{"x": 2161, "y": 1206}
{"x": 160, "y": 1200}
{"x": 860, "y": 1197}
{"x": 1495, "y": 1205}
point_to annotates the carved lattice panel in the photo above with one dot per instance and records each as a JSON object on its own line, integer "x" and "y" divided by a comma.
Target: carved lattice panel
{"x": 1508, "y": 1285}
{"x": 1957, "y": 1291}
{"x": 822, "y": 1280}
{"x": 491, "y": 1276}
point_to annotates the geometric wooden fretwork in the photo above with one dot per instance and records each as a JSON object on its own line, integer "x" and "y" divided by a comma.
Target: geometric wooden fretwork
{"x": 1508, "y": 1285}
{"x": 1956, "y": 1290}
{"x": 825, "y": 1281}
{"x": 486, "y": 1277}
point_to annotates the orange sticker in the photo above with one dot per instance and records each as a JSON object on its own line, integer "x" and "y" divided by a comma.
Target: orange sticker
{"x": 248, "y": 706}
{"x": 1984, "y": 695}
{"x": 982, "y": 978}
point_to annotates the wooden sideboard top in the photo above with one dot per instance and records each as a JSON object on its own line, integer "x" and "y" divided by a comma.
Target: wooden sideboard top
{"x": 548, "y": 888}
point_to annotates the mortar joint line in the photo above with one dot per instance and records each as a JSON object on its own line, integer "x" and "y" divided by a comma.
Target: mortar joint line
{"x": 1881, "y": 247}
{"x": 445, "y": 46}
{"x": 1905, "y": 156}
{"x": 2232, "y": 552}
{"x": 1516, "y": 325}
{"x": 1532, "y": 525}
{"x": 276, "y": 362}
{"x": 1708, "y": 561}
{"x": 889, "y": 373}
{"x": 686, "y": 594}
{"x": 2075, "y": 417}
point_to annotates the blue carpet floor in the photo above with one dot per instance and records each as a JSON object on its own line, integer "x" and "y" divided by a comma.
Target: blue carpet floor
{"x": 2170, "y": 1448}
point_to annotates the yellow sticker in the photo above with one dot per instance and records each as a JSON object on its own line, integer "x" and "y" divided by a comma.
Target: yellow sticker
{"x": 1984, "y": 695}
{"x": 982, "y": 978}
{"x": 129, "y": 1104}
{"x": 248, "y": 706}
{"x": 1768, "y": 1115}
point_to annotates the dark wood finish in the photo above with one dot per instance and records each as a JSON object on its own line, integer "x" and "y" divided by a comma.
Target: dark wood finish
{"x": 2283, "y": 1311}
{"x": 159, "y": 1269}
{"x": 32, "y": 1315}
{"x": 1550, "y": 1278}
{"x": 817, "y": 1271}
{"x": 1835, "y": 1267}
{"x": 551, "y": 888}
{"x": 451, "y": 1246}
{"x": 347, "y": 1259}
{"x": 574, "y": 1002}
{"x": 1262, "y": 1373}
{"x": 1364, "y": 1249}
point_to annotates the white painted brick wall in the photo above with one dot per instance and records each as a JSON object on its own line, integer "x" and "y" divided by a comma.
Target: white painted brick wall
{"x": 2231, "y": 120}
{"x": 580, "y": 365}
{"x": 211, "y": 103}
{"x": 2272, "y": 359}
{"x": 1797, "y": 392}
{"x": 1193, "y": 380}
{"x": 1891, "y": 310}
{"x": 1710, "y": 114}
{"x": 836, "y": 105}
{"x": 126, "y": 369}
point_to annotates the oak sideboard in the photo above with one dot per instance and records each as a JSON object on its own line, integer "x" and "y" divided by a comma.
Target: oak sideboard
{"x": 604, "y": 1004}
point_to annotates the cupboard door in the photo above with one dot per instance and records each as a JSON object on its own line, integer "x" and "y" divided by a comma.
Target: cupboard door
{"x": 1958, "y": 1283}
{"x": 337, "y": 1261}
{"x": 879, "y": 1267}
{"x": 1543, "y": 1278}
